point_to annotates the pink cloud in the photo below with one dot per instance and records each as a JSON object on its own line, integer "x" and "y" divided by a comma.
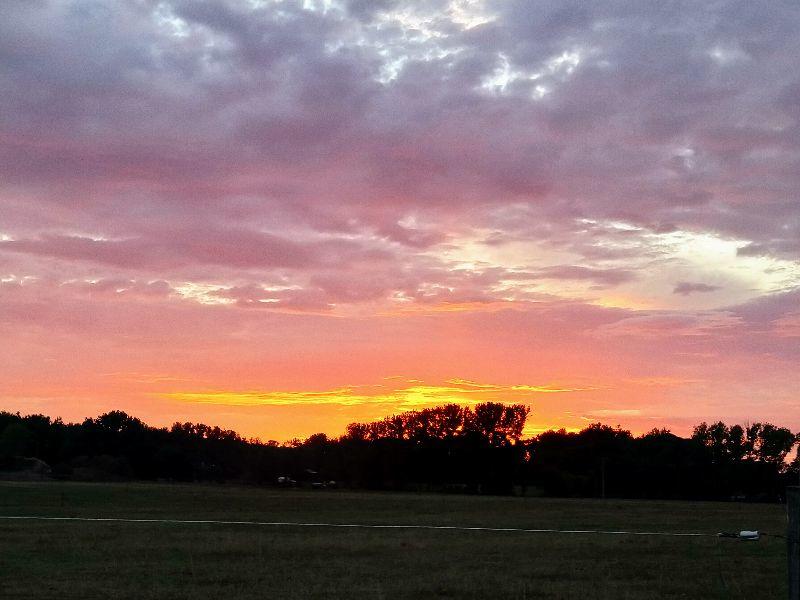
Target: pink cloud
{"x": 399, "y": 199}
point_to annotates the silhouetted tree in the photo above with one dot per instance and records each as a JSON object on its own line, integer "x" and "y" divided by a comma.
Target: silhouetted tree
{"x": 467, "y": 449}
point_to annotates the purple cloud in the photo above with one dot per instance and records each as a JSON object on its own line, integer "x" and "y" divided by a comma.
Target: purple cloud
{"x": 561, "y": 172}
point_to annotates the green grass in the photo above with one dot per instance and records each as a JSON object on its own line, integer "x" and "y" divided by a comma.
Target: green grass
{"x": 48, "y": 559}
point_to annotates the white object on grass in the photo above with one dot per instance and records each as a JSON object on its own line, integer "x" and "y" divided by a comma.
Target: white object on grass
{"x": 749, "y": 535}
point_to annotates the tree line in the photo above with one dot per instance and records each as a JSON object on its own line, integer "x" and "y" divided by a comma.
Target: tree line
{"x": 450, "y": 448}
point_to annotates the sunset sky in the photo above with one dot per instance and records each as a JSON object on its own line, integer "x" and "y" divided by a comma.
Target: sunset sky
{"x": 284, "y": 216}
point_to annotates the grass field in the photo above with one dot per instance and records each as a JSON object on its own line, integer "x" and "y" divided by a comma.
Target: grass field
{"x": 73, "y": 559}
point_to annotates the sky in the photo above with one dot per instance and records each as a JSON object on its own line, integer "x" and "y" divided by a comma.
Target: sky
{"x": 283, "y": 216}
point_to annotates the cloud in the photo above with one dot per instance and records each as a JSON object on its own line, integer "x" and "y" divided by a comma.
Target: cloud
{"x": 231, "y": 248}
{"x": 666, "y": 324}
{"x": 564, "y": 179}
{"x": 788, "y": 325}
{"x": 598, "y": 275}
{"x": 684, "y": 288}
{"x": 249, "y": 100}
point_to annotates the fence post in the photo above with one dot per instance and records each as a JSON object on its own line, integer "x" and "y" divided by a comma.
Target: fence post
{"x": 793, "y": 540}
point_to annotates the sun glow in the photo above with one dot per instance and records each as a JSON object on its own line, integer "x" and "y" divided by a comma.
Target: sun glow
{"x": 412, "y": 395}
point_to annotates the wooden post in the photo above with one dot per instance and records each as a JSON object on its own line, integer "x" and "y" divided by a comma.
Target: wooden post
{"x": 793, "y": 540}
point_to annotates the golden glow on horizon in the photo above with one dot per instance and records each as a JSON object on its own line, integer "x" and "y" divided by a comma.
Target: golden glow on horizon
{"x": 410, "y": 397}
{"x": 382, "y": 400}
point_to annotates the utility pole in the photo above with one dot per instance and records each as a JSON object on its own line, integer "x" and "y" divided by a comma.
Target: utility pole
{"x": 793, "y": 540}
